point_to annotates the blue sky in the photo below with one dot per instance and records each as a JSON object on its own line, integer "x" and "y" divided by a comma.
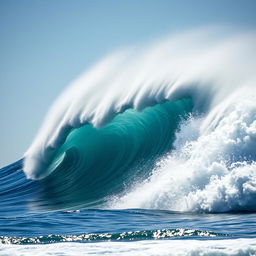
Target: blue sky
{"x": 45, "y": 44}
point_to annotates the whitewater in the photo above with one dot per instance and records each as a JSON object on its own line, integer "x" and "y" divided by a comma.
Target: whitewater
{"x": 154, "y": 144}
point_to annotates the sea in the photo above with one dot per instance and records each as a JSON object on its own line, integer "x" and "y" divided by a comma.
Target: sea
{"x": 151, "y": 151}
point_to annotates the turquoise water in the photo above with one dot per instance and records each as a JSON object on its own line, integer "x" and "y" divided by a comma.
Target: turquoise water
{"x": 94, "y": 164}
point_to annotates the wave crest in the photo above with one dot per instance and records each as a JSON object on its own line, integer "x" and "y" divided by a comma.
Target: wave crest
{"x": 211, "y": 164}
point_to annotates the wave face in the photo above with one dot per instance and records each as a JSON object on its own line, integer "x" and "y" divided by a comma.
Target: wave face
{"x": 93, "y": 163}
{"x": 170, "y": 126}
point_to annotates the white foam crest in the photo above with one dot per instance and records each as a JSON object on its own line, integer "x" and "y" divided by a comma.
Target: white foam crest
{"x": 211, "y": 170}
{"x": 228, "y": 247}
{"x": 198, "y": 63}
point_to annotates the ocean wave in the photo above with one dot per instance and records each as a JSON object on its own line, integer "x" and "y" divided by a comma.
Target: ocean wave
{"x": 170, "y": 126}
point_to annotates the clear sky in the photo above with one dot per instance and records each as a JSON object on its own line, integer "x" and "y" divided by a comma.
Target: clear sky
{"x": 45, "y": 44}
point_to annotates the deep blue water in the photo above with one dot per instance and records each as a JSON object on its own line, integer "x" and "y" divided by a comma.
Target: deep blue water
{"x": 235, "y": 225}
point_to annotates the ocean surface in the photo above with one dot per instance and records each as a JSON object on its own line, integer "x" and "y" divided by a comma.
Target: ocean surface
{"x": 149, "y": 152}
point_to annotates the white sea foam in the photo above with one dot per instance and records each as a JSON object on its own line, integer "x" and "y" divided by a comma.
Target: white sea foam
{"x": 213, "y": 167}
{"x": 232, "y": 247}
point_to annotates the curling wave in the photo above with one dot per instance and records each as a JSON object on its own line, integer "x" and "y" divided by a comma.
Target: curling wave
{"x": 172, "y": 126}
{"x": 93, "y": 163}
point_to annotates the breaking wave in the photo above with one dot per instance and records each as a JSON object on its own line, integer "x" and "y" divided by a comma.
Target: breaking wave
{"x": 170, "y": 126}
